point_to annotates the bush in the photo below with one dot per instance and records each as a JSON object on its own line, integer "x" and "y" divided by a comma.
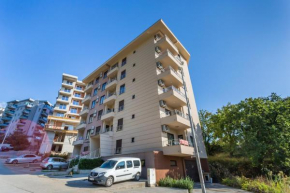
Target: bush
{"x": 184, "y": 183}
{"x": 280, "y": 184}
{"x": 86, "y": 164}
{"x": 64, "y": 156}
{"x": 73, "y": 162}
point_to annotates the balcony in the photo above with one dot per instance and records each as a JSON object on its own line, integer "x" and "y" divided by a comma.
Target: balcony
{"x": 65, "y": 92}
{"x": 44, "y": 113}
{"x": 67, "y": 85}
{"x": 26, "y": 111}
{"x": 173, "y": 97}
{"x": 109, "y": 115}
{"x": 88, "y": 88}
{"x": 110, "y": 99}
{"x": 84, "y": 112}
{"x": 21, "y": 122}
{"x": 86, "y": 100}
{"x": 112, "y": 84}
{"x": 171, "y": 77}
{"x": 113, "y": 71}
{"x": 165, "y": 43}
{"x": 11, "y": 106}
{"x": 9, "y": 112}
{"x": 168, "y": 59}
{"x": 76, "y": 105}
{"x": 78, "y": 141}
{"x": 6, "y": 118}
{"x": 23, "y": 117}
{"x": 81, "y": 126}
{"x": 63, "y": 110}
{"x": 4, "y": 124}
{"x": 62, "y": 100}
{"x": 180, "y": 148}
{"x": 42, "y": 119}
{"x": 175, "y": 120}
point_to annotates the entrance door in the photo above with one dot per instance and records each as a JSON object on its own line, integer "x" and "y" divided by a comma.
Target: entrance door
{"x": 118, "y": 146}
{"x": 170, "y": 138}
{"x": 191, "y": 170}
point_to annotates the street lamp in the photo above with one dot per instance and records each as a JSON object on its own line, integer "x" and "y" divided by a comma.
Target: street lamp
{"x": 196, "y": 151}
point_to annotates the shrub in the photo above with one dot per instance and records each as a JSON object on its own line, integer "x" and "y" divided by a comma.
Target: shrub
{"x": 87, "y": 164}
{"x": 64, "y": 156}
{"x": 184, "y": 183}
{"x": 73, "y": 162}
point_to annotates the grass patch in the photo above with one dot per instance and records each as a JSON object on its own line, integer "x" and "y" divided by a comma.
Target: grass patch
{"x": 184, "y": 183}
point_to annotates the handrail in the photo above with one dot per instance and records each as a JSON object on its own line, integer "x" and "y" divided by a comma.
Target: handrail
{"x": 112, "y": 79}
{"x": 174, "y": 142}
{"x": 176, "y": 112}
{"x": 173, "y": 88}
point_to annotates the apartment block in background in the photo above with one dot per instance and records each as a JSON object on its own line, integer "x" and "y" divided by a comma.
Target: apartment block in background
{"x": 135, "y": 106}
{"x": 61, "y": 126}
{"x": 28, "y": 116}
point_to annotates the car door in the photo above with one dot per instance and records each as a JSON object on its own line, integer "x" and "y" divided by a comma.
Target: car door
{"x": 120, "y": 171}
{"x": 55, "y": 163}
{"x": 130, "y": 169}
{"x": 26, "y": 159}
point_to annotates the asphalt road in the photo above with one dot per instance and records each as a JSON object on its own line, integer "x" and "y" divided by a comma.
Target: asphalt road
{"x": 22, "y": 179}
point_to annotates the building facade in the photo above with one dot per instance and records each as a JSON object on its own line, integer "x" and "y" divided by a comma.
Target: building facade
{"x": 28, "y": 116}
{"x": 135, "y": 106}
{"x": 61, "y": 126}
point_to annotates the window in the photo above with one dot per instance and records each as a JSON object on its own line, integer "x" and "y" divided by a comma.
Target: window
{"x": 93, "y": 104}
{"x": 133, "y": 80}
{"x": 91, "y": 118}
{"x": 77, "y": 95}
{"x": 129, "y": 164}
{"x": 122, "y": 89}
{"x": 102, "y": 99}
{"x": 86, "y": 148}
{"x": 173, "y": 163}
{"x": 121, "y": 105}
{"x": 59, "y": 114}
{"x": 62, "y": 106}
{"x": 136, "y": 163}
{"x": 133, "y": 116}
{"x": 76, "y": 102}
{"x": 100, "y": 113}
{"x": 88, "y": 134}
{"x": 73, "y": 110}
{"x": 134, "y": 65}
{"x": 79, "y": 88}
{"x": 120, "y": 124}
{"x": 133, "y": 96}
{"x": 95, "y": 92}
{"x": 98, "y": 129}
{"x": 68, "y": 82}
{"x": 123, "y": 74}
{"x": 105, "y": 74}
{"x": 132, "y": 139}
{"x": 97, "y": 80}
{"x": 143, "y": 162}
{"x": 120, "y": 165}
{"x": 64, "y": 98}
{"x": 104, "y": 86}
{"x": 134, "y": 51}
{"x": 124, "y": 61}
{"x": 67, "y": 90}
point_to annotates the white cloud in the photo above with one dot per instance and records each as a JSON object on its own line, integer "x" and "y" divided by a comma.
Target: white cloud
{"x": 2, "y": 104}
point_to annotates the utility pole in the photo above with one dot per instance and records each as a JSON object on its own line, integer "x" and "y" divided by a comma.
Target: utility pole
{"x": 196, "y": 151}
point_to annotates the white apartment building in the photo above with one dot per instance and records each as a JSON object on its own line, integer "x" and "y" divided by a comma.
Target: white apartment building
{"x": 61, "y": 126}
{"x": 135, "y": 106}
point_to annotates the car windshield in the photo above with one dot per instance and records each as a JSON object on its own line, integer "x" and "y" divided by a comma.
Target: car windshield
{"x": 109, "y": 164}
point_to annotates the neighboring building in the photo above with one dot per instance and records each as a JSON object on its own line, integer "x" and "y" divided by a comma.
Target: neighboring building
{"x": 135, "y": 106}
{"x": 28, "y": 116}
{"x": 61, "y": 126}
{"x": 1, "y": 112}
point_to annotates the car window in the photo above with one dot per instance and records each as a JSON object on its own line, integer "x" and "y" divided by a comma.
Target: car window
{"x": 62, "y": 160}
{"x": 136, "y": 163}
{"x": 46, "y": 159}
{"x": 120, "y": 165}
{"x": 26, "y": 156}
{"x": 55, "y": 160}
{"x": 129, "y": 164}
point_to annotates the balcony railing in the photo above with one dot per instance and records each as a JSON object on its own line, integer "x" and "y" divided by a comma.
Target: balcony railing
{"x": 173, "y": 88}
{"x": 110, "y": 94}
{"x": 109, "y": 111}
{"x": 176, "y": 112}
{"x": 177, "y": 73}
{"x": 112, "y": 80}
{"x": 118, "y": 150}
{"x": 121, "y": 108}
{"x": 177, "y": 58}
{"x": 113, "y": 67}
{"x": 174, "y": 142}
{"x": 119, "y": 127}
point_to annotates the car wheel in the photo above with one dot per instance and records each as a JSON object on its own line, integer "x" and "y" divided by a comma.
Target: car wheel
{"x": 35, "y": 161}
{"x": 49, "y": 167}
{"x": 15, "y": 161}
{"x": 137, "y": 177}
{"x": 109, "y": 181}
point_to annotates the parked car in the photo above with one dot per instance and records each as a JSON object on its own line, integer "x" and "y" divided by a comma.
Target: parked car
{"x": 26, "y": 158}
{"x": 116, "y": 170}
{"x": 7, "y": 146}
{"x": 4, "y": 148}
{"x": 54, "y": 163}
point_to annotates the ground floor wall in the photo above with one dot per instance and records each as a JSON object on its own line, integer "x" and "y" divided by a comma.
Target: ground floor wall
{"x": 173, "y": 166}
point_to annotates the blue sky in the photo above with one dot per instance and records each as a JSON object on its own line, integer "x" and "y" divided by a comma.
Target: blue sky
{"x": 238, "y": 49}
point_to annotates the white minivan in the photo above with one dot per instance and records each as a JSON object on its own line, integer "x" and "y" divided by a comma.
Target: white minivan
{"x": 116, "y": 170}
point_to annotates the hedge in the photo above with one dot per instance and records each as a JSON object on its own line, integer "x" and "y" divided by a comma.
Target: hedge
{"x": 184, "y": 183}
{"x": 86, "y": 164}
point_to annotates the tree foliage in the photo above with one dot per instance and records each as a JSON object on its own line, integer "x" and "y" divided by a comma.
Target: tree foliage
{"x": 18, "y": 141}
{"x": 256, "y": 128}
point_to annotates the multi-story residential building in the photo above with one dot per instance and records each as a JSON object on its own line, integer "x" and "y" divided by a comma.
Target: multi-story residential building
{"x": 1, "y": 112}
{"x": 61, "y": 126}
{"x": 28, "y": 116}
{"x": 135, "y": 106}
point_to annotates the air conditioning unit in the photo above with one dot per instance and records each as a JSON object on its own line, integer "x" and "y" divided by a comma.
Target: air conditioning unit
{"x": 101, "y": 75}
{"x": 99, "y": 86}
{"x": 161, "y": 83}
{"x": 92, "y": 130}
{"x": 157, "y": 36}
{"x": 97, "y": 99}
{"x": 162, "y": 103}
{"x": 159, "y": 65}
{"x": 157, "y": 50}
{"x": 165, "y": 128}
